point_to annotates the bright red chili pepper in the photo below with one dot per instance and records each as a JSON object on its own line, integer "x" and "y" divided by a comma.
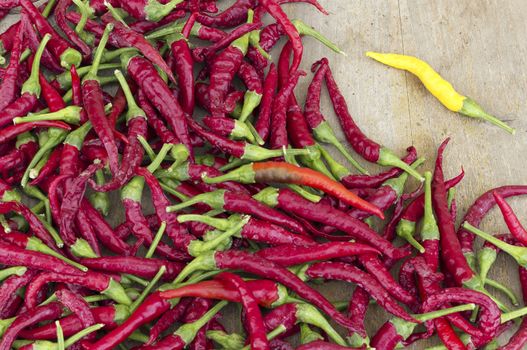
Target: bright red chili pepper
{"x": 12, "y": 40}
{"x": 231, "y": 17}
{"x": 170, "y": 317}
{"x": 263, "y": 122}
{"x": 8, "y": 292}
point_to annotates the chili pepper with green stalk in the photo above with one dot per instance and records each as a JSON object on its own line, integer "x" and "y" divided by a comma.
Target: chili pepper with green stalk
{"x": 268, "y": 172}
{"x": 30, "y": 91}
{"x": 63, "y": 343}
{"x": 230, "y": 128}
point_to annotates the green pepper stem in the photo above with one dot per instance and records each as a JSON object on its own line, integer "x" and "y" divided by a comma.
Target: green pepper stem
{"x": 251, "y": 100}
{"x": 337, "y": 169}
{"x": 134, "y": 110}
{"x": 117, "y": 293}
{"x": 100, "y": 200}
{"x": 52, "y": 232}
{"x": 397, "y": 184}
{"x": 117, "y": 13}
{"x": 430, "y": 230}
{"x": 218, "y": 223}
{"x": 443, "y": 312}
{"x": 254, "y": 41}
{"x": 233, "y": 341}
{"x": 148, "y": 288}
{"x": 92, "y": 74}
{"x": 86, "y": 12}
{"x": 387, "y": 158}
{"x": 309, "y": 314}
{"x": 64, "y": 79}
{"x": 173, "y": 28}
{"x": 242, "y": 43}
{"x": 36, "y": 244}
{"x": 242, "y": 131}
{"x": 214, "y": 199}
{"x": 324, "y": 133}
{"x": 471, "y": 109}
{"x": 502, "y": 288}
{"x": 135, "y": 279}
{"x": 304, "y": 29}
{"x": 156, "y": 240}
{"x": 81, "y": 334}
{"x": 271, "y": 335}
{"x": 305, "y": 193}
{"x": 197, "y": 247}
{"x": 49, "y": 7}
{"x": 60, "y": 336}
{"x": 180, "y": 153}
{"x": 244, "y": 174}
{"x": 32, "y": 84}
{"x": 517, "y": 253}
{"x": 34, "y": 192}
{"x": 10, "y": 271}
{"x": 138, "y": 337}
{"x": 149, "y": 151}
{"x": 307, "y": 335}
{"x": 203, "y": 262}
{"x": 255, "y": 153}
{"x": 188, "y": 331}
{"x": 110, "y": 55}
{"x": 268, "y": 196}
{"x": 70, "y": 114}
{"x": 163, "y": 152}
{"x": 166, "y": 187}
{"x": 257, "y": 138}
{"x": 233, "y": 163}
{"x": 486, "y": 257}
{"x": 155, "y": 11}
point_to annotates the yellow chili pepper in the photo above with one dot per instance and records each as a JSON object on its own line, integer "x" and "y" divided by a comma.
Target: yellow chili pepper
{"x": 438, "y": 86}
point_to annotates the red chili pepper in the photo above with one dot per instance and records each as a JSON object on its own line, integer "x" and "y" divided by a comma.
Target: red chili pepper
{"x": 243, "y": 204}
{"x": 77, "y": 306}
{"x": 452, "y": 254}
{"x": 263, "y": 122}
{"x": 322, "y": 345}
{"x": 279, "y": 137}
{"x": 367, "y": 148}
{"x": 91, "y": 280}
{"x": 184, "y": 65}
{"x": 169, "y": 318}
{"x": 229, "y": 127}
{"x": 289, "y": 255}
{"x": 357, "y": 308}
{"x": 253, "y": 316}
{"x": 103, "y": 230}
{"x": 267, "y": 172}
{"x": 87, "y": 232}
{"x": 11, "y": 132}
{"x": 253, "y": 96}
{"x": 146, "y": 26}
{"x": 159, "y": 127}
{"x": 31, "y": 317}
{"x": 512, "y": 221}
{"x": 61, "y": 49}
{"x": 118, "y": 106}
{"x": 8, "y": 293}
{"x": 519, "y": 339}
{"x": 142, "y": 267}
{"x": 12, "y": 40}
{"x": 60, "y": 19}
{"x": 158, "y": 93}
{"x": 175, "y": 231}
{"x": 111, "y": 316}
{"x": 349, "y": 273}
{"x": 294, "y": 37}
{"x": 231, "y": 17}
{"x": 30, "y": 91}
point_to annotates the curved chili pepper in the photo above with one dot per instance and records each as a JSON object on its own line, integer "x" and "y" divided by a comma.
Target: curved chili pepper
{"x": 168, "y": 319}
{"x": 41, "y": 313}
{"x": 77, "y": 306}
{"x": 253, "y": 316}
{"x": 30, "y": 90}
{"x": 243, "y": 204}
{"x": 289, "y": 255}
{"x": 91, "y": 280}
{"x": 146, "y": 26}
{"x": 255, "y": 230}
{"x": 158, "y": 93}
{"x": 60, "y": 19}
{"x": 266, "y": 172}
{"x": 231, "y": 17}
{"x": 439, "y": 87}
{"x": 11, "y": 40}
{"x": 61, "y": 49}
{"x": 8, "y": 292}
{"x": 250, "y": 77}
{"x": 263, "y": 122}
{"x": 149, "y": 10}
{"x": 512, "y": 221}
{"x": 349, "y": 273}
{"x": 289, "y": 201}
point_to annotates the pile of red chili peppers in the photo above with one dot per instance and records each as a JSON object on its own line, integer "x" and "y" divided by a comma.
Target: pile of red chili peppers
{"x": 246, "y": 204}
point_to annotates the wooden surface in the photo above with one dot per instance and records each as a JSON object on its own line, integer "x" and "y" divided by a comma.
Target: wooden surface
{"x": 480, "y": 46}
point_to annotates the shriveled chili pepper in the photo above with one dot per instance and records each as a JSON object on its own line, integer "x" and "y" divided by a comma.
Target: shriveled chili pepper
{"x": 240, "y": 260}
{"x": 367, "y": 148}
{"x": 478, "y": 210}
{"x": 30, "y": 90}
{"x": 239, "y": 149}
{"x": 350, "y": 273}
{"x": 168, "y": 319}
{"x": 61, "y": 49}
{"x": 146, "y": 26}
{"x": 512, "y": 221}
{"x": 393, "y": 332}
{"x": 11, "y": 40}
{"x": 91, "y": 280}
{"x": 244, "y": 204}
{"x": 41, "y": 313}
{"x": 158, "y": 93}
{"x": 111, "y": 316}
{"x": 439, "y": 87}
{"x": 452, "y": 254}
{"x": 253, "y": 95}
{"x": 94, "y": 105}
{"x": 263, "y": 122}
{"x": 60, "y": 19}
{"x": 77, "y": 306}
{"x": 289, "y": 255}
{"x": 231, "y": 17}
{"x": 11, "y": 132}
{"x": 253, "y": 316}
{"x": 267, "y": 293}
{"x": 290, "y": 202}
{"x": 8, "y": 293}
{"x": 142, "y": 267}
{"x": 266, "y": 172}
